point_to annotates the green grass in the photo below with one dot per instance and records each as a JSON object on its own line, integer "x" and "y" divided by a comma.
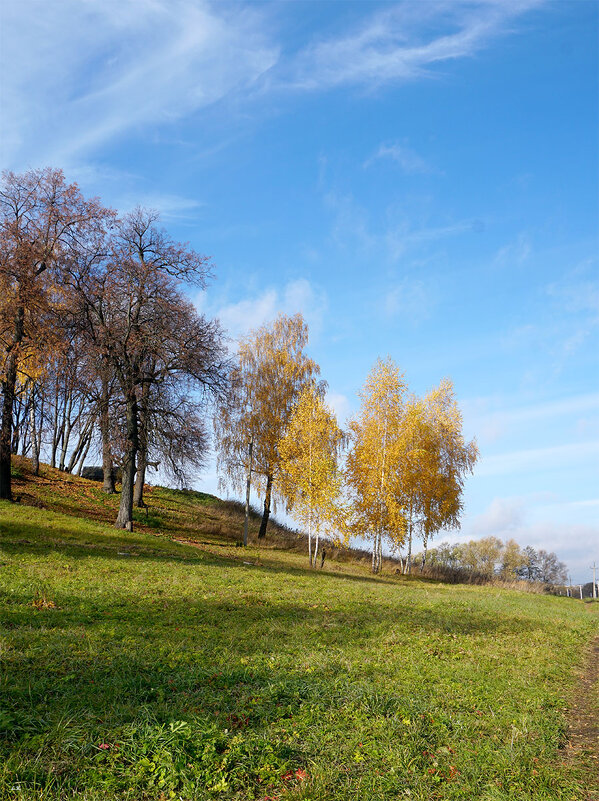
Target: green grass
{"x": 134, "y": 667}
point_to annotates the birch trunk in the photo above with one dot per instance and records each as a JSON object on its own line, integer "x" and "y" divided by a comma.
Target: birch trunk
{"x": 67, "y": 427}
{"x": 266, "y": 513}
{"x": 35, "y": 454}
{"x": 376, "y": 561}
{"x": 55, "y": 431}
{"x": 374, "y": 554}
{"x": 246, "y": 522}
{"x": 424, "y": 550}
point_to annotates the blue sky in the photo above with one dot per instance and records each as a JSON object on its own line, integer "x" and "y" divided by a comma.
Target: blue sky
{"x": 420, "y": 179}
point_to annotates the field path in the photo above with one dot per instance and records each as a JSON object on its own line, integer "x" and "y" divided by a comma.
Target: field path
{"x": 583, "y": 746}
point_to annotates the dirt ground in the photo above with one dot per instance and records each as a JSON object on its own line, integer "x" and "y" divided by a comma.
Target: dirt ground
{"x": 583, "y": 745}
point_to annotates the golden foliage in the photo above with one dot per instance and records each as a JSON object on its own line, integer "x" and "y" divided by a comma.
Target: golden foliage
{"x": 265, "y": 384}
{"x": 408, "y": 461}
{"x": 377, "y": 509}
{"x": 310, "y": 476}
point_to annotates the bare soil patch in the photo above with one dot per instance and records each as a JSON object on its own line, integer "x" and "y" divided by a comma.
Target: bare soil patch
{"x": 583, "y": 730}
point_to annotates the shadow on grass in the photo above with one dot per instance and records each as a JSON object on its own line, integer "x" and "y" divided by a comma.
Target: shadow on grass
{"x": 190, "y": 681}
{"x": 20, "y": 537}
{"x": 361, "y": 620}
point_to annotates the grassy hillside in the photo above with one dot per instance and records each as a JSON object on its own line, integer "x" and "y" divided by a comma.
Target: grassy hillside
{"x": 134, "y": 666}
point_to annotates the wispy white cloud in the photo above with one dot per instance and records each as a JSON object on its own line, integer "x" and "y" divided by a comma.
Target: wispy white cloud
{"x": 491, "y": 423}
{"x": 575, "y": 300}
{"x": 401, "y": 154}
{"x": 578, "y": 291}
{"x": 412, "y": 300}
{"x": 514, "y": 253}
{"x": 242, "y": 316}
{"x": 404, "y": 42}
{"x": 589, "y": 503}
{"x": 502, "y": 516}
{"x": 554, "y": 457}
{"x": 352, "y": 229}
{"x": 170, "y": 206}
{"x": 76, "y": 75}
{"x": 402, "y": 236}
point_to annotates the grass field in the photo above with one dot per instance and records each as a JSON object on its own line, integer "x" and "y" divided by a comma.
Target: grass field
{"x": 135, "y": 667}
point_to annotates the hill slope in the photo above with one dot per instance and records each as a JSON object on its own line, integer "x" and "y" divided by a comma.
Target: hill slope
{"x": 135, "y": 667}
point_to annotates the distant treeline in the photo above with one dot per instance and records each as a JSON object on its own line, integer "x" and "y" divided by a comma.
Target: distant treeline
{"x": 490, "y": 557}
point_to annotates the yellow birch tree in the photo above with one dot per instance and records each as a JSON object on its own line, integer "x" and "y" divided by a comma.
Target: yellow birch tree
{"x": 433, "y": 460}
{"x": 310, "y": 474}
{"x": 376, "y": 508}
{"x": 265, "y": 383}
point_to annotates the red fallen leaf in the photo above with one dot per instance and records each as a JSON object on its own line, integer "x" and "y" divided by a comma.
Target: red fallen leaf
{"x": 301, "y": 775}
{"x": 104, "y": 746}
{"x": 286, "y": 777}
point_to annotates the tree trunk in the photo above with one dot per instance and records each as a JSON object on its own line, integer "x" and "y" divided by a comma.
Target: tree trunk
{"x": 142, "y": 454}
{"x": 21, "y": 419}
{"x": 55, "y": 432}
{"x": 84, "y": 456}
{"x": 82, "y": 445}
{"x": 67, "y": 427}
{"x": 140, "y": 477}
{"x": 125, "y": 516}
{"x": 266, "y": 513}
{"x": 409, "y": 557}
{"x": 35, "y": 454}
{"x": 246, "y": 522}
{"x": 108, "y": 485}
{"x": 8, "y": 398}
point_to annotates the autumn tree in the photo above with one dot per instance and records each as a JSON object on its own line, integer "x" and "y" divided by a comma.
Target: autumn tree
{"x": 41, "y": 217}
{"x": 483, "y": 555}
{"x": 437, "y": 460}
{"x": 127, "y": 298}
{"x": 377, "y": 509}
{"x": 513, "y": 559}
{"x": 310, "y": 474}
{"x": 174, "y": 391}
{"x": 446, "y": 555}
{"x": 265, "y": 383}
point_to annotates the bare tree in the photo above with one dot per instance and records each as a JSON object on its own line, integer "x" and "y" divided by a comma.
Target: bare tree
{"x": 40, "y": 217}
{"x": 142, "y": 330}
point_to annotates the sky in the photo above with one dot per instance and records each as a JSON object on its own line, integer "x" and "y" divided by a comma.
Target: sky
{"x": 419, "y": 179}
